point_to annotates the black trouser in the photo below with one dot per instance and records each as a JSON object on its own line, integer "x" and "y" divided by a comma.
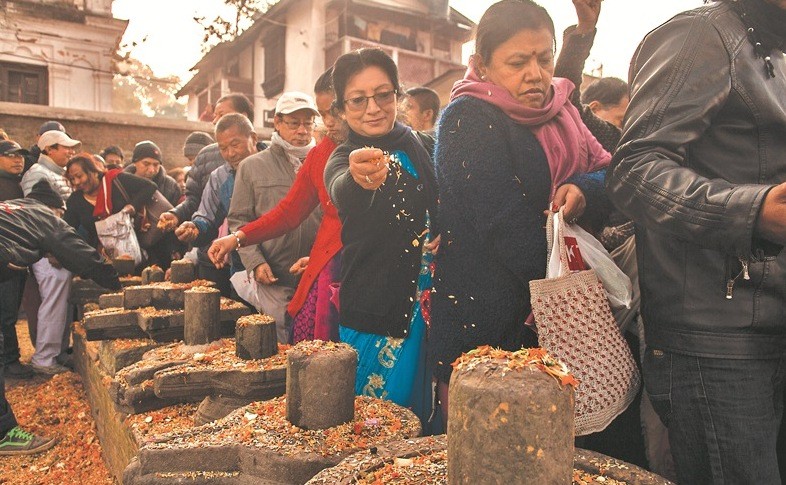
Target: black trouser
{"x": 10, "y": 299}
{"x": 218, "y": 276}
{"x": 7, "y": 418}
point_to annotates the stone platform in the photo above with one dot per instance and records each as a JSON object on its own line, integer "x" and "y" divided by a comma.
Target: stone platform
{"x": 423, "y": 461}
{"x": 256, "y": 444}
{"x": 177, "y": 373}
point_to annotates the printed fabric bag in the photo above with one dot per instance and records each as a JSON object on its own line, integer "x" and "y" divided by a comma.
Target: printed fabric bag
{"x": 575, "y": 324}
{"x": 117, "y": 235}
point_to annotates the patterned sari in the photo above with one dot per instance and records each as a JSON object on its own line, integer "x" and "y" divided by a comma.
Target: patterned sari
{"x": 395, "y": 368}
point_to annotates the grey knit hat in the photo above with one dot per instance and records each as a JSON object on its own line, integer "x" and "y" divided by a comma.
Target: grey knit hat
{"x": 195, "y": 142}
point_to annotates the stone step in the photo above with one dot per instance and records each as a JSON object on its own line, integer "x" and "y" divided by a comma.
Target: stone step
{"x": 163, "y": 295}
{"x": 148, "y": 322}
{"x": 114, "y": 355}
{"x": 257, "y": 383}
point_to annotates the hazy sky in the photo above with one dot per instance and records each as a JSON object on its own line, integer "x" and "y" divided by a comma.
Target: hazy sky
{"x": 174, "y": 40}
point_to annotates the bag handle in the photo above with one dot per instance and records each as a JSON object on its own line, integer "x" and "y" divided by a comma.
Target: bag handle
{"x": 106, "y": 196}
{"x": 122, "y": 190}
{"x": 554, "y": 225}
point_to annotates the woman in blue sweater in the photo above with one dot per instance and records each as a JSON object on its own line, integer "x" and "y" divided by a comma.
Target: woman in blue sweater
{"x": 510, "y": 145}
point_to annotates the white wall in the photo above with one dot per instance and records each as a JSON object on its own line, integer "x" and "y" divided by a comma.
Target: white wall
{"x": 78, "y": 56}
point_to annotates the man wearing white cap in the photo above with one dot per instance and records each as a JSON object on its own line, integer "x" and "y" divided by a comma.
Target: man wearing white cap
{"x": 56, "y": 149}
{"x": 262, "y": 180}
{"x": 54, "y": 281}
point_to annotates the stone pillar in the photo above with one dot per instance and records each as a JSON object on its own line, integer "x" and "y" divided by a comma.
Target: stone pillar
{"x": 152, "y": 274}
{"x": 202, "y": 315}
{"x": 508, "y": 421}
{"x": 183, "y": 271}
{"x": 255, "y": 337}
{"x": 321, "y": 384}
{"x": 123, "y": 266}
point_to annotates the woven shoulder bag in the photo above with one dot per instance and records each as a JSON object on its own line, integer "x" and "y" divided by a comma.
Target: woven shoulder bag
{"x": 576, "y": 326}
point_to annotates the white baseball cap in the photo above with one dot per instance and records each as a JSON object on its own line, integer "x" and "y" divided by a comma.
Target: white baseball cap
{"x": 55, "y": 137}
{"x": 294, "y": 101}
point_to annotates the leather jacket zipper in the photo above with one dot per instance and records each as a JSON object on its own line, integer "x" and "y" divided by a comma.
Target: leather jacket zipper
{"x": 730, "y": 282}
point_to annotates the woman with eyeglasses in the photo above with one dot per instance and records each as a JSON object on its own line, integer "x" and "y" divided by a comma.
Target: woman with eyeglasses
{"x": 383, "y": 185}
{"x": 510, "y": 146}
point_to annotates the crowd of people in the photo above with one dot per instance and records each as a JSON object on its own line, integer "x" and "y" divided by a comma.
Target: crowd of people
{"x": 412, "y": 233}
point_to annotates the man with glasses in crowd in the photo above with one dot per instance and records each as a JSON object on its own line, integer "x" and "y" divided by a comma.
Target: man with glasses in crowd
{"x": 262, "y": 180}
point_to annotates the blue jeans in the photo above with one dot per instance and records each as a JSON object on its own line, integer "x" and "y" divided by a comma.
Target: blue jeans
{"x": 723, "y": 415}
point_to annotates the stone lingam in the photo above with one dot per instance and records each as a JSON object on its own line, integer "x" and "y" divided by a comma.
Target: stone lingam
{"x": 282, "y": 440}
{"x": 510, "y": 421}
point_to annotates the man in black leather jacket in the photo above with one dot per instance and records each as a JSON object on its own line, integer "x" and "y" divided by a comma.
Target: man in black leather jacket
{"x": 701, "y": 169}
{"x": 30, "y": 230}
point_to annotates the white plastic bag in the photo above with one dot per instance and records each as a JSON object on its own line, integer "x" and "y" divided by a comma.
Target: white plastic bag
{"x": 247, "y": 288}
{"x": 117, "y": 235}
{"x": 584, "y": 251}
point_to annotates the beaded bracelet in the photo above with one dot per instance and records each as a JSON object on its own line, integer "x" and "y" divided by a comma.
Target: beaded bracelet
{"x": 237, "y": 238}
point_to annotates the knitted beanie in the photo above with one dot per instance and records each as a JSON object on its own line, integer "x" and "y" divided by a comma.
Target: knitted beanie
{"x": 195, "y": 142}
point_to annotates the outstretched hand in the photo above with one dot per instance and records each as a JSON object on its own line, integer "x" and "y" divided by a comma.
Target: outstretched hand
{"x": 587, "y": 12}
{"x": 220, "y": 248}
{"x": 368, "y": 167}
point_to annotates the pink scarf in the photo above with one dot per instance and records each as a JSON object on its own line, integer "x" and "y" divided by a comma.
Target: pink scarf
{"x": 570, "y": 147}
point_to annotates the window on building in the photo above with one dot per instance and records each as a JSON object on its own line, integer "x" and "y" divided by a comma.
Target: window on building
{"x": 23, "y": 83}
{"x": 275, "y": 62}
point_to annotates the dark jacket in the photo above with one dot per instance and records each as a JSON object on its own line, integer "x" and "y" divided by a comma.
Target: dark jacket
{"x": 29, "y": 229}
{"x": 494, "y": 183}
{"x": 381, "y": 233}
{"x": 9, "y": 186}
{"x": 704, "y": 141}
{"x": 166, "y": 184}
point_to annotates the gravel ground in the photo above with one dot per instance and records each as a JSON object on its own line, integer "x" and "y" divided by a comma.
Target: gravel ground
{"x": 53, "y": 407}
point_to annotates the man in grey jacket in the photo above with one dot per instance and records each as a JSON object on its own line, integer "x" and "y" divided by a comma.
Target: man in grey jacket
{"x": 701, "y": 169}
{"x": 264, "y": 179}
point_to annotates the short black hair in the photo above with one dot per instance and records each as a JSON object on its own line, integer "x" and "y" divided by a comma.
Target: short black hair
{"x": 114, "y": 149}
{"x": 608, "y": 91}
{"x": 241, "y": 104}
{"x": 234, "y": 120}
{"x": 324, "y": 83}
{"x": 505, "y": 19}
{"x": 353, "y": 62}
{"x": 427, "y": 98}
